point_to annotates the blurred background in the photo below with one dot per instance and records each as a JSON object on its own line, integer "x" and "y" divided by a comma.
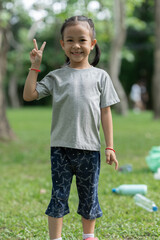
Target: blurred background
{"x": 128, "y": 33}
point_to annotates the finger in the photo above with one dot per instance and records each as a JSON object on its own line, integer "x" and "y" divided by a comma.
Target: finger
{"x": 43, "y": 46}
{"x": 35, "y": 44}
{"x": 110, "y": 162}
{"x": 108, "y": 159}
{"x": 34, "y": 51}
{"x": 116, "y": 165}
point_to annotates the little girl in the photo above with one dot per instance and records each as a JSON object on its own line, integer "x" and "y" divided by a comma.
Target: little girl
{"x": 82, "y": 95}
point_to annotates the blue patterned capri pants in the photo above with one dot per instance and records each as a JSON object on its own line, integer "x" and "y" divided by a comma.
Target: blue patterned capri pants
{"x": 85, "y": 165}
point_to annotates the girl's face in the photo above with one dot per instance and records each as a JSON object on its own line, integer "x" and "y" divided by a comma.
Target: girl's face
{"x": 77, "y": 43}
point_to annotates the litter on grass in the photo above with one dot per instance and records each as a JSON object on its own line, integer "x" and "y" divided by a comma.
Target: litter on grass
{"x": 145, "y": 203}
{"x": 153, "y": 158}
{"x": 130, "y": 189}
{"x": 157, "y": 174}
{"x": 125, "y": 168}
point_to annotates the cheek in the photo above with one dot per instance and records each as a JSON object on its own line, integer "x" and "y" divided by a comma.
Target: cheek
{"x": 89, "y": 48}
{"x": 67, "y": 46}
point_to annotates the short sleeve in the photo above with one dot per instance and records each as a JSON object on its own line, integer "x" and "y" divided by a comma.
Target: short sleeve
{"x": 45, "y": 86}
{"x": 108, "y": 93}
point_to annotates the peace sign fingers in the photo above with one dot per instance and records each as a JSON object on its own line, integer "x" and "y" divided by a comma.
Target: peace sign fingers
{"x": 43, "y": 46}
{"x": 35, "y": 54}
{"x": 35, "y": 44}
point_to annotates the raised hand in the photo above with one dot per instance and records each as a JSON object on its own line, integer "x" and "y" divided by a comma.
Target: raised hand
{"x": 36, "y": 55}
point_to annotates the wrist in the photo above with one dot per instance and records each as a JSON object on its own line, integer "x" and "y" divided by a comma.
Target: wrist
{"x": 110, "y": 148}
{"x": 36, "y": 66}
{"x": 34, "y": 69}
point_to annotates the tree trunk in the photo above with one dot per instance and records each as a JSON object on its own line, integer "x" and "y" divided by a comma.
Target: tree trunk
{"x": 12, "y": 85}
{"x": 156, "y": 74}
{"x": 5, "y": 130}
{"x": 13, "y": 92}
{"x": 116, "y": 48}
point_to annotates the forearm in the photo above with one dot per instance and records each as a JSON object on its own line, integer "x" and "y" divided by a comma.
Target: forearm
{"x": 29, "y": 92}
{"x": 107, "y": 125}
{"x": 106, "y": 119}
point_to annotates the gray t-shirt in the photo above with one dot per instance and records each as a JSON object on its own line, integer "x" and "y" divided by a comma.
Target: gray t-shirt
{"x": 77, "y": 97}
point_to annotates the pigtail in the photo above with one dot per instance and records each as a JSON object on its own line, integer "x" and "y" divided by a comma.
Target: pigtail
{"x": 97, "y": 56}
{"x": 67, "y": 60}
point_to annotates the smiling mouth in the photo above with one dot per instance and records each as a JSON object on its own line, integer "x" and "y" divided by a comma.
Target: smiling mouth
{"x": 76, "y": 53}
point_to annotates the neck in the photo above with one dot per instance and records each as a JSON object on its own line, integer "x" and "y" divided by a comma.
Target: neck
{"x": 79, "y": 65}
{"x": 86, "y": 67}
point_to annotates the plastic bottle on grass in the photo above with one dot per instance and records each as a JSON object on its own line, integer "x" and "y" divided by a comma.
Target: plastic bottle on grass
{"x": 130, "y": 189}
{"x": 125, "y": 168}
{"x": 145, "y": 203}
{"x": 157, "y": 174}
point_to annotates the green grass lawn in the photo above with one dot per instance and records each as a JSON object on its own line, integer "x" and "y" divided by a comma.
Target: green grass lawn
{"x": 25, "y": 171}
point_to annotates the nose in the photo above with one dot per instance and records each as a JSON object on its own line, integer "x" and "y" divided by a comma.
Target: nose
{"x": 76, "y": 45}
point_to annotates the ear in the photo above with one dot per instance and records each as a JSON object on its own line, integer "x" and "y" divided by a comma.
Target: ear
{"x": 62, "y": 44}
{"x": 93, "y": 43}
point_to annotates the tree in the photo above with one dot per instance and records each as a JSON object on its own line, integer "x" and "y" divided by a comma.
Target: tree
{"x": 5, "y": 130}
{"x": 156, "y": 75}
{"x": 116, "y": 49}
{"x": 137, "y": 54}
{"x": 17, "y": 37}
{"x": 13, "y": 86}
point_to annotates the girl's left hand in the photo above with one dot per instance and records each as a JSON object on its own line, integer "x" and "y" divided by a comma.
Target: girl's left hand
{"x": 111, "y": 158}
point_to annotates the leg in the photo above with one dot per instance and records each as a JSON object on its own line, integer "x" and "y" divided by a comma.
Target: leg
{"x": 55, "y": 227}
{"x": 87, "y": 176}
{"x": 88, "y": 225}
{"x": 61, "y": 182}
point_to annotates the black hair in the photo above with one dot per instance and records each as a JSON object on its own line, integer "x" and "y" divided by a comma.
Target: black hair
{"x": 74, "y": 20}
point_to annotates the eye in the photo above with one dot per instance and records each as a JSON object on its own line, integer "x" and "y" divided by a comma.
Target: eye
{"x": 83, "y": 40}
{"x": 69, "y": 40}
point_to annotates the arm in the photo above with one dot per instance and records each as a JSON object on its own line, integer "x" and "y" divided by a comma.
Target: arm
{"x": 29, "y": 92}
{"x": 107, "y": 125}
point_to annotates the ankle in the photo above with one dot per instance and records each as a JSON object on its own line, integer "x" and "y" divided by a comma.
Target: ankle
{"x": 57, "y": 238}
{"x": 88, "y": 235}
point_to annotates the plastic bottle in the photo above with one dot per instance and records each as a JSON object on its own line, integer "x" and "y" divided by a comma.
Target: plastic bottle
{"x": 145, "y": 203}
{"x": 157, "y": 174}
{"x": 125, "y": 168}
{"x": 130, "y": 189}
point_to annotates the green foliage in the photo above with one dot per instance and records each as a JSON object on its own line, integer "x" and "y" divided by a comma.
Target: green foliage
{"x": 131, "y": 5}
{"x": 25, "y": 171}
{"x": 128, "y": 55}
{"x": 136, "y": 23}
{"x": 4, "y": 18}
